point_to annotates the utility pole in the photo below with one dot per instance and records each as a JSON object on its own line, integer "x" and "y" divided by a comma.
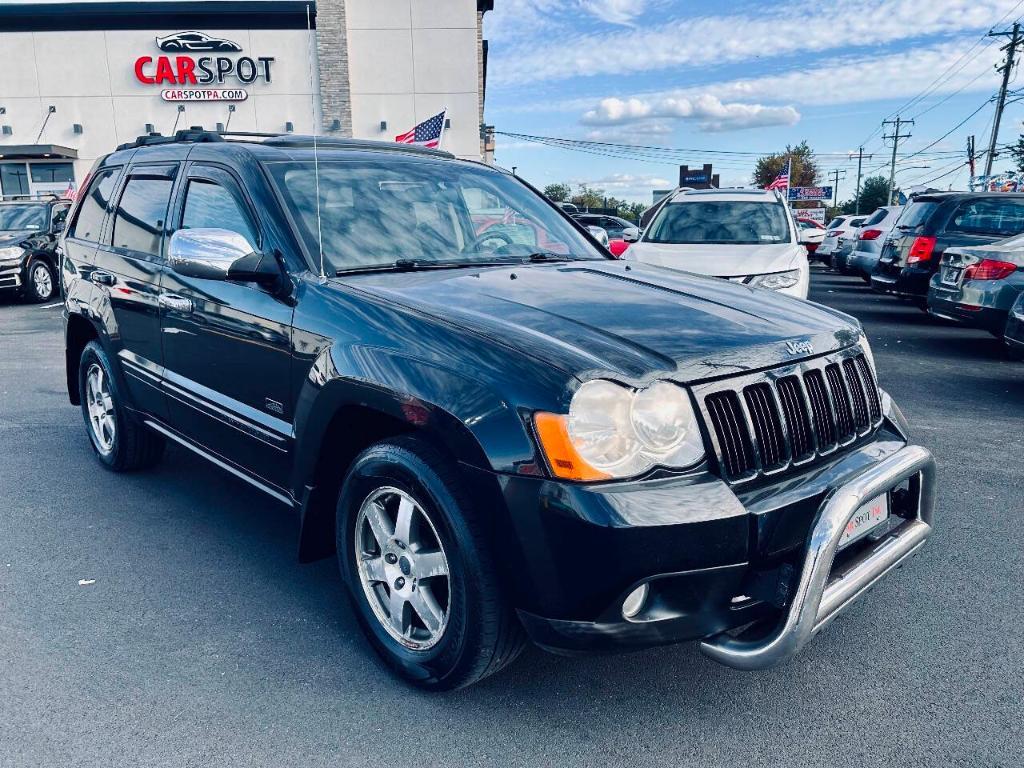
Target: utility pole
{"x": 835, "y": 185}
{"x": 970, "y": 158}
{"x": 896, "y": 137}
{"x": 1006, "y": 69}
{"x": 860, "y": 162}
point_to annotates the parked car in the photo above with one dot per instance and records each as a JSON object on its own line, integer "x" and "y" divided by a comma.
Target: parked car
{"x": 811, "y": 234}
{"x": 1013, "y": 334}
{"x": 978, "y": 286}
{"x": 498, "y": 443}
{"x": 870, "y": 237}
{"x": 29, "y": 231}
{"x": 934, "y": 222}
{"x": 745, "y": 235}
{"x": 621, "y": 232}
{"x": 839, "y": 227}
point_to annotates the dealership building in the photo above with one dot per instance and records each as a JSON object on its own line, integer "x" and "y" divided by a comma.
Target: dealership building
{"x": 79, "y": 78}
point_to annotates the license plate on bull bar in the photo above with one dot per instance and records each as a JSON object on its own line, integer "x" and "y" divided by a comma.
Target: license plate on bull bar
{"x": 866, "y": 519}
{"x": 951, "y": 275}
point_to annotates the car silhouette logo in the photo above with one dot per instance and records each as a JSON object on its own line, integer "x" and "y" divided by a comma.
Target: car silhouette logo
{"x": 799, "y": 347}
{"x": 196, "y": 41}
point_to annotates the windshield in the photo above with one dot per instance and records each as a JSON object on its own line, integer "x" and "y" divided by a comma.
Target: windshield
{"x": 376, "y": 213}
{"x": 14, "y": 217}
{"x": 721, "y": 221}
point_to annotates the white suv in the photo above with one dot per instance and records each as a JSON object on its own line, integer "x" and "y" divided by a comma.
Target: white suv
{"x": 746, "y": 235}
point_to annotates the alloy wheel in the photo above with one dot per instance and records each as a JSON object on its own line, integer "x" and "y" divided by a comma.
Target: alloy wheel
{"x": 42, "y": 282}
{"x": 403, "y": 568}
{"x": 100, "y": 406}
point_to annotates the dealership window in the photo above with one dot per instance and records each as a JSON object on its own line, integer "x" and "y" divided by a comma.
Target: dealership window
{"x": 90, "y": 215}
{"x": 139, "y": 221}
{"x": 13, "y": 179}
{"x": 208, "y": 204}
{"x": 52, "y": 173}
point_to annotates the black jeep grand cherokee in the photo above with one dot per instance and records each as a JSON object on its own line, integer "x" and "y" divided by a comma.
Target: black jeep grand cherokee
{"x": 503, "y": 433}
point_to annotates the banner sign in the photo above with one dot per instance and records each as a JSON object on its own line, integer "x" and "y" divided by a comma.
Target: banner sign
{"x": 810, "y": 193}
{"x": 814, "y": 214}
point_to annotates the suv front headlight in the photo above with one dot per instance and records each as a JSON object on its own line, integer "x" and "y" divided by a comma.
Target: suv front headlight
{"x": 613, "y": 432}
{"x": 777, "y": 281}
{"x": 12, "y": 253}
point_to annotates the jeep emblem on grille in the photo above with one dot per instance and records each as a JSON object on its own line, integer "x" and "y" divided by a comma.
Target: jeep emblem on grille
{"x": 799, "y": 347}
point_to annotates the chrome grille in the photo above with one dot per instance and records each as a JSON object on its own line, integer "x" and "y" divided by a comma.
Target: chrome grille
{"x": 769, "y": 422}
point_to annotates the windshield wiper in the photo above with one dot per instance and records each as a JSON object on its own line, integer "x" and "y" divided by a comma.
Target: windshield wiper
{"x": 415, "y": 265}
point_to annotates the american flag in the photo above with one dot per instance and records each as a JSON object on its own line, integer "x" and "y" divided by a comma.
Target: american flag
{"x": 782, "y": 180}
{"x": 426, "y": 134}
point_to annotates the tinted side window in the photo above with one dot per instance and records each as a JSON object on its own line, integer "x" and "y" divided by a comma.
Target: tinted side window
{"x": 208, "y": 204}
{"x": 90, "y": 213}
{"x": 139, "y": 221}
{"x": 989, "y": 216}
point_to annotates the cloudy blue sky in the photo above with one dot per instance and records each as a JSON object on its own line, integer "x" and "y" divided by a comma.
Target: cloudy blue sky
{"x": 743, "y": 77}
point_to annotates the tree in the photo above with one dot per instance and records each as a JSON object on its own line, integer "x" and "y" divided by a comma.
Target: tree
{"x": 558, "y": 193}
{"x": 874, "y": 192}
{"x": 804, "y": 172}
{"x": 588, "y": 198}
{"x": 1017, "y": 151}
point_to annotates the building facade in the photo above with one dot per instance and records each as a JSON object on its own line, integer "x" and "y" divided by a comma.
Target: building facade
{"x": 79, "y": 78}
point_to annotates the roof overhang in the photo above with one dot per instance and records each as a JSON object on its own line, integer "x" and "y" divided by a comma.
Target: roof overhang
{"x": 58, "y": 16}
{"x": 37, "y": 152}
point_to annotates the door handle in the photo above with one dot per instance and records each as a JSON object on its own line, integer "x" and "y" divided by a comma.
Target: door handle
{"x": 103, "y": 278}
{"x": 176, "y": 303}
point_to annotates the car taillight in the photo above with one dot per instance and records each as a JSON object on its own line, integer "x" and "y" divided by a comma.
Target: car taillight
{"x": 921, "y": 250}
{"x": 869, "y": 234}
{"x": 989, "y": 269}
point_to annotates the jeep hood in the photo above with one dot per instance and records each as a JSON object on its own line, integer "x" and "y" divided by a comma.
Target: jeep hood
{"x": 15, "y": 237}
{"x": 719, "y": 260}
{"x": 628, "y": 321}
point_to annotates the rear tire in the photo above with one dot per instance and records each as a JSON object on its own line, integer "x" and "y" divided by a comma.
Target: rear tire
{"x": 120, "y": 442}
{"x": 468, "y": 630}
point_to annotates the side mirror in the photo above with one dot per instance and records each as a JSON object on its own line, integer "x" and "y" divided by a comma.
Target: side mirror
{"x": 631, "y": 234}
{"x": 220, "y": 254}
{"x": 599, "y": 234}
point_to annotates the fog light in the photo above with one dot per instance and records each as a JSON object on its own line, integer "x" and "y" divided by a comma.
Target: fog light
{"x": 634, "y": 602}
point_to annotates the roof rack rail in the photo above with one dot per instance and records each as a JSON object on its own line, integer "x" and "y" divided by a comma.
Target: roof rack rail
{"x": 333, "y": 142}
{"x": 34, "y": 197}
{"x": 197, "y": 134}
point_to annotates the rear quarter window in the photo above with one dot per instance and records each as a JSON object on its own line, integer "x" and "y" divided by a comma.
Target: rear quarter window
{"x": 989, "y": 216}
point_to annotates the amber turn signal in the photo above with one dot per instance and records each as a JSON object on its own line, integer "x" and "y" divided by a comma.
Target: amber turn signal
{"x": 563, "y": 459}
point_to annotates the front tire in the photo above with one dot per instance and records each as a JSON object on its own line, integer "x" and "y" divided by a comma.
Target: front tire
{"x": 41, "y": 283}
{"x": 120, "y": 442}
{"x": 413, "y": 551}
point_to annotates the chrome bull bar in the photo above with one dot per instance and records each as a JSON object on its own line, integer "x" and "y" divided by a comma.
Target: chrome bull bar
{"x": 820, "y": 595}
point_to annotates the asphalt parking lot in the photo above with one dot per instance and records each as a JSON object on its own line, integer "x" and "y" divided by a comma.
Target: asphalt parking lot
{"x": 162, "y": 618}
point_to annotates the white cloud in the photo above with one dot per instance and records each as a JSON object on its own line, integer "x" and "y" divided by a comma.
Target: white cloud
{"x": 614, "y": 11}
{"x": 709, "y": 112}
{"x": 784, "y": 29}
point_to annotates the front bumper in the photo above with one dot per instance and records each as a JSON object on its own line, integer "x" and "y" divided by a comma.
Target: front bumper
{"x": 823, "y": 592}
{"x": 11, "y": 276}
{"x": 715, "y": 558}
